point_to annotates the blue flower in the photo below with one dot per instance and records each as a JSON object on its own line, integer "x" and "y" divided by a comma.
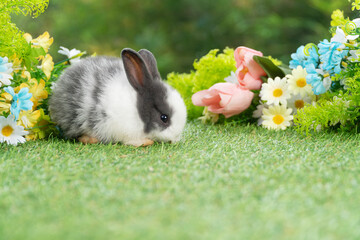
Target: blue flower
{"x": 298, "y": 58}
{"x": 313, "y": 57}
{"x": 331, "y": 55}
{"x": 315, "y": 79}
{"x": 20, "y": 101}
{"x": 301, "y": 59}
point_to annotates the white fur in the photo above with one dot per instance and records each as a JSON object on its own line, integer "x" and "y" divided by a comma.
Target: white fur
{"x": 123, "y": 123}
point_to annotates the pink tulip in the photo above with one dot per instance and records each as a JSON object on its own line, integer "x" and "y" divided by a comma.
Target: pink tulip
{"x": 225, "y": 98}
{"x": 248, "y": 71}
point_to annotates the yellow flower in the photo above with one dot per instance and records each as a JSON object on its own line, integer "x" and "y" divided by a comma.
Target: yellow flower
{"x": 43, "y": 40}
{"x": 25, "y": 74}
{"x": 337, "y": 18}
{"x": 39, "y": 131}
{"x": 29, "y": 118}
{"x": 47, "y": 65}
{"x": 27, "y": 37}
{"x": 5, "y": 102}
{"x": 16, "y": 63}
{"x": 355, "y": 5}
{"x": 37, "y": 89}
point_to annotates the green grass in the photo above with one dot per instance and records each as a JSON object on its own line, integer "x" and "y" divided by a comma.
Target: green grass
{"x": 219, "y": 182}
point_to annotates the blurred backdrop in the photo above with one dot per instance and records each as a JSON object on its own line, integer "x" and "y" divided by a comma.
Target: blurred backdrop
{"x": 179, "y": 31}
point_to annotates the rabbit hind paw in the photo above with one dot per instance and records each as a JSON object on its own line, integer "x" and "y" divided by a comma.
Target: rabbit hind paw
{"x": 85, "y": 139}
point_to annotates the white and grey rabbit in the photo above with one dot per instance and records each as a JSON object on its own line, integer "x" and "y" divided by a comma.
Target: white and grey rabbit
{"x": 109, "y": 99}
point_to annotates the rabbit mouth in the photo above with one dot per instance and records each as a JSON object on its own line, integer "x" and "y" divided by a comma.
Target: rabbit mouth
{"x": 166, "y": 136}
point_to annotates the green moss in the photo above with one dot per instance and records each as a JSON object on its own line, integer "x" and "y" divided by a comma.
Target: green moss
{"x": 326, "y": 114}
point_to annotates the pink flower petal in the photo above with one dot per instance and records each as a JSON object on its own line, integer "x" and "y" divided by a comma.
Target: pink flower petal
{"x": 226, "y": 87}
{"x": 239, "y": 102}
{"x": 216, "y": 109}
{"x": 211, "y": 98}
{"x": 250, "y": 82}
{"x": 242, "y": 54}
{"x": 255, "y": 70}
{"x": 197, "y": 98}
{"x": 225, "y": 99}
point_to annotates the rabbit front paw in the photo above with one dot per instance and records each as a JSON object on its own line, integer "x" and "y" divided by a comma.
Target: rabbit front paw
{"x": 140, "y": 143}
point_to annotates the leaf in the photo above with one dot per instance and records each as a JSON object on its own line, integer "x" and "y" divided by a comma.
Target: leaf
{"x": 269, "y": 67}
{"x": 31, "y": 59}
{"x": 285, "y": 69}
{"x": 37, "y": 52}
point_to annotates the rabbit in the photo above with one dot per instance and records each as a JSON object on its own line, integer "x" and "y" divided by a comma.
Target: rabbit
{"x": 110, "y": 99}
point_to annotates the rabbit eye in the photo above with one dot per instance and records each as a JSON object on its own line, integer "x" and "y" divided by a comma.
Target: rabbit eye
{"x": 164, "y": 118}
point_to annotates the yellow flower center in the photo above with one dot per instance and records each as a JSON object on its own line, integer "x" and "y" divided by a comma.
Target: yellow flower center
{"x": 245, "y": 70}
{"x": 278, "y": 92}
{"x": 299, "y": 104}
{"x": 301, "y": 82}
{"x": 7, "y": 131}
{"x": 278, "y": 119}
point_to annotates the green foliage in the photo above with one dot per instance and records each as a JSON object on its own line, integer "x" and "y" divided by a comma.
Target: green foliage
{"x": 353, "y": 86}
{"x": 11, "y": 38}
{"x": 31, "y": 60}
{"x": 209, "y": 70}
{"x": 325, "y": 114}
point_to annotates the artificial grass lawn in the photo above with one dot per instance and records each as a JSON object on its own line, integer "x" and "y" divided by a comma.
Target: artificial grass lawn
{"x": 219, "y": 182}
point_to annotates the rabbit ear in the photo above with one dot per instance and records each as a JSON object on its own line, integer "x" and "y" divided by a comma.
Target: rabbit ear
{"x": 150, "y": 62}
{"x": 135, "y": 68}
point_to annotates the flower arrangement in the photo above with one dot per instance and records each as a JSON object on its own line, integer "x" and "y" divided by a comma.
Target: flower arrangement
{"x": 27, "y": 72}
{"x": 318, "y": 90}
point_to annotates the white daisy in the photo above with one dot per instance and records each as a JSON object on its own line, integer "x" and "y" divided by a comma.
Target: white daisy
{"x": 73, "y": 54}
{"x": 297, "y": 82}
{"x": 258, "y": 112}
{"x": 275, "y": 91}
{"x": 277, "y": 117}
{"x": 5, "y": 71}
{"x": 297, "y": 101}
{"x": 10, "y": 132}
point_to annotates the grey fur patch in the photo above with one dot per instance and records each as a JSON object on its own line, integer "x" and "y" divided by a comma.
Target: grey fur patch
{"x": 98, "y": 87}
{"x": 150, "y": 62}
{"x": 104, "y": 114}
{"x": 93, "y": 118}
{"x": 151, "y": 104}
